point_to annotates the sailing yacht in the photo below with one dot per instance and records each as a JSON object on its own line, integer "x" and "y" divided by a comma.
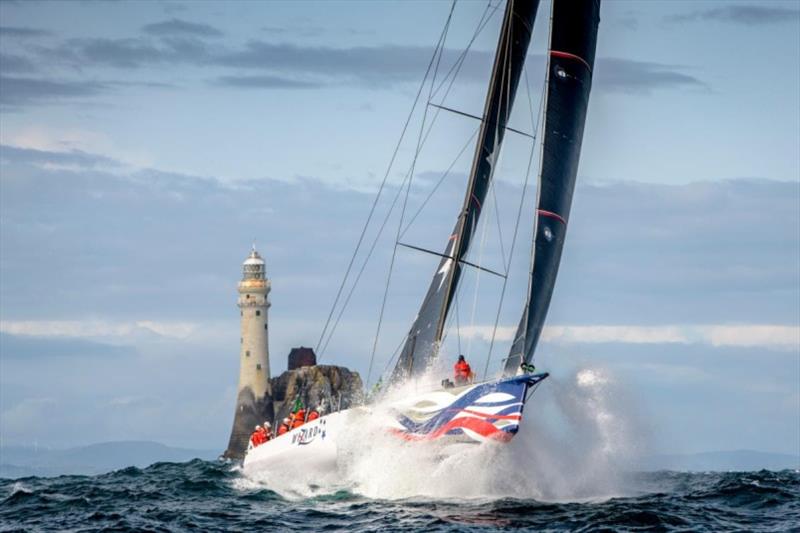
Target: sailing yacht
{"x": 491, "y": 410}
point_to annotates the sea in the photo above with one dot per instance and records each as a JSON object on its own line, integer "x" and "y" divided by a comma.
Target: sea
{"x": 574, "y": 465}
{"x": 216, "y": 496}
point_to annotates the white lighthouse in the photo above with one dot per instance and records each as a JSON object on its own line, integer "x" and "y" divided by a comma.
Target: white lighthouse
{"x": 254, "y": 398}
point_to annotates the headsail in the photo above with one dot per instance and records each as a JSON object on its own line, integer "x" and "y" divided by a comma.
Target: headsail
{"x": 426, "y": 332}
{"x": 573, "y": 40}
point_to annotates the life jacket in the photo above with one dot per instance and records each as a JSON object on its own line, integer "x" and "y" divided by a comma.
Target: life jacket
{"x": 255, "y": 439}
{"x": 299, "y": 418}
{"x": 283, "y": 428}
{"x": 312, "y": 415}
{"x": 263, "y": 436}
{"x": 462, "y": 370}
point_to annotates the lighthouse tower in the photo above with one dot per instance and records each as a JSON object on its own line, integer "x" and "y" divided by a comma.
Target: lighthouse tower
{"x": 254, "y": 400}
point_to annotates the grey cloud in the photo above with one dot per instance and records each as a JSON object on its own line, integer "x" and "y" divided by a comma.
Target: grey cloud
{"x": 748, "y": 15}
{"x": 625, "y": 75}
{"x": 387, "y": 65}
{"x": 309, "y": 66}
{"x": 264, "y": 82}
{"x": 180, "y": 27}
{"x": 76, "y": 158}
{"x": 697, "y": 253}
{"x": 10, "y": 63}
{"x": 33, "y": 348}
{"x": 22, "y": 32}
{"x": 121, "y": 53}
{"x": 17, "y": 91}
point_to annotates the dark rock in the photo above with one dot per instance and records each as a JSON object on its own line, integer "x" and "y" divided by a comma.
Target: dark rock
{"x": 325, "y": 387}
{"x": 302, "y": 356}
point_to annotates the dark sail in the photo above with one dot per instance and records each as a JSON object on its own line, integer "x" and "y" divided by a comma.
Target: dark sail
{"x": 573, "y": 40}
{"x": 426, "y": 332}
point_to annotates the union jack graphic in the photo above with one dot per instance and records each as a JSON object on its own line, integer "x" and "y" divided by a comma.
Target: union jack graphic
{"x": 487, "y": 411}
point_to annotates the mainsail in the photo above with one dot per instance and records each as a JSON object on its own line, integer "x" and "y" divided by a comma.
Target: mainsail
{"x": 423, "y": 338}
{"x": 573, "y": 40}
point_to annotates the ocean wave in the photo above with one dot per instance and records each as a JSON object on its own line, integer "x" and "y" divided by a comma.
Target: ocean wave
{"x": 216, "y": 496}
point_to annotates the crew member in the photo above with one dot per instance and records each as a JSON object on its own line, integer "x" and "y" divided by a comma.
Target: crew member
{"x": 284, "y": 427}
{"x": 257, "y": 437}
{"x": 299, "y": 418}
{"x": 312, "y": 415}
{"x": 462, "y": 371}
{"x": 267, "y": 431}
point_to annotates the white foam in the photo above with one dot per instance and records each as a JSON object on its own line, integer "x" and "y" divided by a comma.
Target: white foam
{"x": 577, "y": 439}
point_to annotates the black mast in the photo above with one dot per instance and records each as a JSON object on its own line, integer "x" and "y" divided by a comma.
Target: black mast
{"x": 422, "y": 341}
{"x": 573, "y": 40}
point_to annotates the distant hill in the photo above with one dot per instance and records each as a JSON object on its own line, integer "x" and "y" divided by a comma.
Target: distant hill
{"x": 736, "y": 460}
{"x": 20, "y": 461}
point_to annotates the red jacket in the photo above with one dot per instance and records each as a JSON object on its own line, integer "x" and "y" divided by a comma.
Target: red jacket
{"x": 313, "y": 415}
{"x": 283, "y": 428}
{"x": 462, "y": 370}
{"x": 258, "y": 437}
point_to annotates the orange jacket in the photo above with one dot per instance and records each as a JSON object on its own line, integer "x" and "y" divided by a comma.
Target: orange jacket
{"x": 313, "y": 415}
{"x": 299, "y": 418}
{"x": 462, "y": 370}
{"x": 283, "y": 428}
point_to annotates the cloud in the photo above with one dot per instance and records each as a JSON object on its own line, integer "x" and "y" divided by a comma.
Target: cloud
{"x": 264, "y": 82}
{"x": 56, "y": 159}
{"x": 96, "y": 328}
{"x": 29, "y": 347}
{"x": 11, "y": 63}
{"x": 748, "y": 15}
{"x": 17, "y": 91}
{"x": 180, "y": 27}
{"x": 775, "y": 337}
{"x": 22, "y": 32}
{"x": 318, "y": 66}
{"x": 137, "y": 244}
{"x": 120, "y": 53}
{"x": 625, "y": 75}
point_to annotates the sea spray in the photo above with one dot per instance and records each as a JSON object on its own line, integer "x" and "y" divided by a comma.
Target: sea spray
{"x": 578, "y": 438}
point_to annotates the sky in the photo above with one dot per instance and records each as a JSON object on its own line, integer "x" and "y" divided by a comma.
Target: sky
{"x": 144, "y": 146}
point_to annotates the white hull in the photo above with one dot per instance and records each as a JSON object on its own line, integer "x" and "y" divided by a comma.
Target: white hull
{"x": 476, "y": 413}
{"x": 314, "y": 444}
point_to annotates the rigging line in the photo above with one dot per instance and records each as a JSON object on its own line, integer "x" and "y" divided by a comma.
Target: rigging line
{"x": 364, "y": 264}
{"x": 480, "y": 119}
{"x": 380, "y": 232}
{"x": 478, "y": 281}
{"x": 484, "y": 20}
{"x": 386, "y": 175}
{"x": 439, "y": 183}
{"x": 457, "y": 67}
{"x": 383, "y": 225}
{"x": 408, "y": 191}
{"x": 516, "y": 225}
{"x": 463, "y": 261}
{"x": 458, "y": 325}
{"x": 499, "y": 229}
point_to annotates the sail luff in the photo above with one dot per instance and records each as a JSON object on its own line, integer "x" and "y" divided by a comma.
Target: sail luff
{"x": 428, "y": 327}
{"x": 573, "y": 42}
